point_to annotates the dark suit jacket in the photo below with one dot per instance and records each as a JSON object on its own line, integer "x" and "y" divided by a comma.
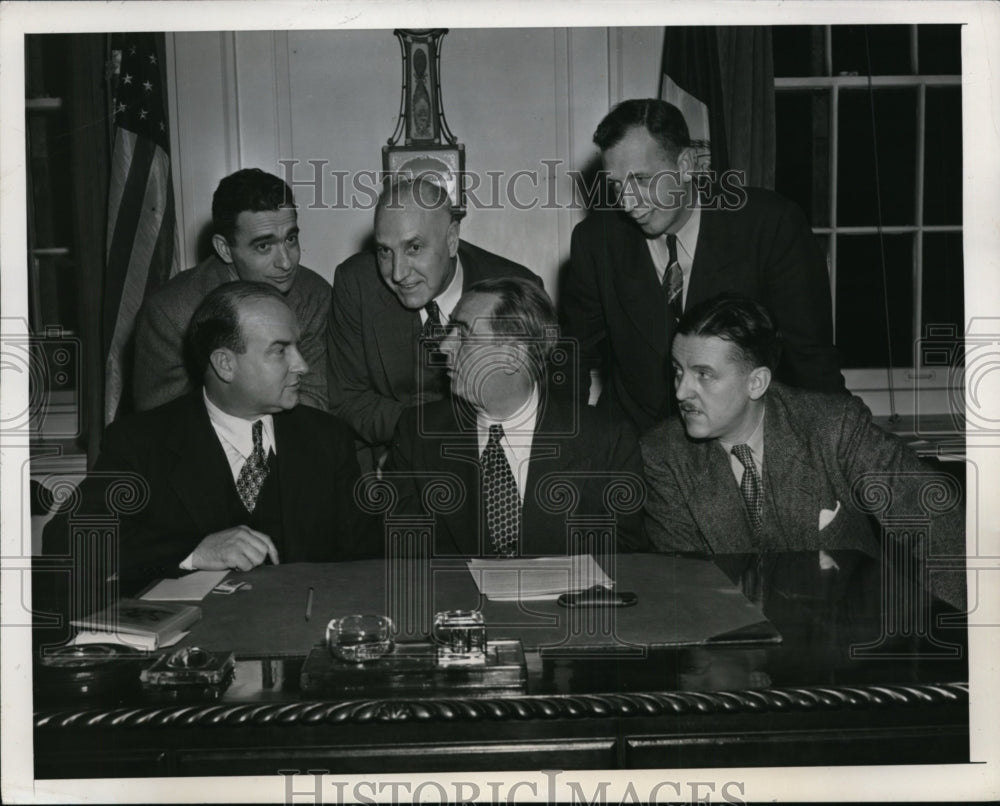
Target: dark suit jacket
{"x": 585, "y": 450}
{"x": 372, "y": 341}
{"x": 160, "y": 372}
{"x": 612, "y": 303}
{"x": 176, "y": 451}
{"x": 816, "y": 449}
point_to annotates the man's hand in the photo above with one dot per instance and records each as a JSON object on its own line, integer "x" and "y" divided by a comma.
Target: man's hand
{"x": 240, "y": 548}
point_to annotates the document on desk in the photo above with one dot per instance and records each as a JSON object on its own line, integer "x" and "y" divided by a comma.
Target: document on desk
{"x": 537, "y": 578}
{"x": 191, "y": 587}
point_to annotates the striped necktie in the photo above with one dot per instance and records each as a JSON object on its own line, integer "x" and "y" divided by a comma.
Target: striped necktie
{"x": 673, "y": 280}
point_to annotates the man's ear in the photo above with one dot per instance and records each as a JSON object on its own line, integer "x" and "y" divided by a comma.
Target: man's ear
{"x": 221, "y": 362}
{"x": 758, "y": 381}
{"x": 687, "y": 164}
{"x": 517, "y": 358}
{"x": 221, "y": 246}
{"x": 452, "y": 238}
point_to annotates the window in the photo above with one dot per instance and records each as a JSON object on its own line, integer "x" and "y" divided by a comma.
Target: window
{"x": 869, "y": 144}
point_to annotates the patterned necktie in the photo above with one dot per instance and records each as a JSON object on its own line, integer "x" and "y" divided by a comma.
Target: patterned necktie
{"x": 432, "y": 325}
{"x": 254, "y": 470}
{"x": 750, "y": 486}
{"x": 503, "y": 506}
{"x": 673, "y": 280}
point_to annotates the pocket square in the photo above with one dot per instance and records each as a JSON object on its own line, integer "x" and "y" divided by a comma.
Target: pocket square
{"x": 826, "y": 516}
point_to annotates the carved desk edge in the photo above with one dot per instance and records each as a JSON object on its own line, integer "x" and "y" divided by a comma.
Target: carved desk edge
{"x": 565, "y": 706}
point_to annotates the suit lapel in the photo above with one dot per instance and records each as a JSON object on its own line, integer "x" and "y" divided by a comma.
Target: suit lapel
{"x": 396, "y": 330}
{"x": 457, "y": 452}
{"x": 636, "y": 284}
{"x": 791, "y": 508}
{"x": 201, "y": 477}
{"x": 720, "y": 512}
{"x": 300, "y": 492}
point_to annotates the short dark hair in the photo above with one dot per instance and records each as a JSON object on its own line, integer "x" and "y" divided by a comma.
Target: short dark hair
{"x": 249, "y": 189}
{"x": 426, "y": 190}
{"x": 663, "y": 121}
{"x": 741, "y": 321}
{"x": 524, "y": 313}
{"x": 216, "y": 321}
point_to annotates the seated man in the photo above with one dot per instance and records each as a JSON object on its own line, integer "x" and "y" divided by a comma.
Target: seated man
{"x": 506, "y": 436}
{"x": 237, "y": 471}
{"x": 753, "y": 465}
{"x": 384, "y": 302}
{"x": 257, "y": 239}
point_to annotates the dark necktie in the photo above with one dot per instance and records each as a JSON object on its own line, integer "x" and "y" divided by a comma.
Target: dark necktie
{"x": 432, "y": 329}
{"x": 503, "y": 506}
{"x": 254, "y": 470}
{"x": 673, "y": 280}
{"x": 750, "y": 486}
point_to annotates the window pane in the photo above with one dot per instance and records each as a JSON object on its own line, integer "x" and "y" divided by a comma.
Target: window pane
{"x": 803, "y": 151}
{"x": 943, "y": 303}
{"x": 859, "y": 185}
{"x": 798, "y": 50}
{"x": 943, "y": 156}
{"x": 940, "y": 49}
{"x": 888, "y": 48}
{"x": 862, "y": 335}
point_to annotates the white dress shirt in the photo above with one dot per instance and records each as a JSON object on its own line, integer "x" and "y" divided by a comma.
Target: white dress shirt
{"x": 448, "y": 299}
{"x": 756, "y": 443}
{"x": 518, "y": 433}
{"x": 687, "y": 240}
{"x": 236, "y": 437}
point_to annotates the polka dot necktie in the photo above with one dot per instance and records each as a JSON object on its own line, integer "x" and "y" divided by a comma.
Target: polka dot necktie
{"x": 254, "y": 470}
{"x": 503, "y": 506}
{"x": 673, "y": 279}
{"x": 750, "y": 486}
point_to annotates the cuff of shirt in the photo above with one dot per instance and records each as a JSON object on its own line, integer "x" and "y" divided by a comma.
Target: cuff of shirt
{"x": 187, "y": 564}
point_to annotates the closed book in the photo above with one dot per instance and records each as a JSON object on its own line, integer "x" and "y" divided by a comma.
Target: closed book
{"x": 159, "y": 621}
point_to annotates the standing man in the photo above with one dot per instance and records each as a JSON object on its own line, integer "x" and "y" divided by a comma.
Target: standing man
{"x": 752, "y": 465}
{"x": 256, "y": 238}
{"x": 634, "y": 271}
{"x": 384, "y": 302}
{"x": 506, "y": 436}
{"x": 237, "y": 473}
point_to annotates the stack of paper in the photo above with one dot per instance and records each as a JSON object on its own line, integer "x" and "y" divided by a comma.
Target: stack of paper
{"x": 536, "y": 578}
{"x": 191, "y": 587}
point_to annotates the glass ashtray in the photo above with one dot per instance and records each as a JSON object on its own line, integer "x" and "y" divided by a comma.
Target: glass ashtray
{"x": 359, "y": 638}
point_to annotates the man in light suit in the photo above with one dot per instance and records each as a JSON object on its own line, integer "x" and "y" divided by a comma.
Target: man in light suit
{"x": 384, "y": 302}
{"x": 634, "y": 270}
{"x": 256, "y": 238}
{"x": 753, "y": 465}
{"x": 238, "y": 472}
{"x": 506, "y": 426}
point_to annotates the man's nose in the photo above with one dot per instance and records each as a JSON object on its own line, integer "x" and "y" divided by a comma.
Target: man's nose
{"x": 682, "y": 386}
{"x": 400, "y": 268}
{"x": 299, "y": 364}
{"x": 282, "y": 260}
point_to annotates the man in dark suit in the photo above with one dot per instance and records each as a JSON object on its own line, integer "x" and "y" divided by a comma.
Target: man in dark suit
{"x": 256, "y": 238}
{"x": 753, "y": 465}
{"x": 237, "y": 472}
{"x": 521, "y": 453}
{"x": 384, "y": 302}
{"x": 635, "y": 270}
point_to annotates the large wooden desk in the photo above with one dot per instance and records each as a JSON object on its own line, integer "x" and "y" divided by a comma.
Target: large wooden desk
{"x": 817, "y": 697}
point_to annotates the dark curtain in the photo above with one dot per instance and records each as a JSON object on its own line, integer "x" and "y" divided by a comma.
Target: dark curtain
{"x": 90, "y": 132}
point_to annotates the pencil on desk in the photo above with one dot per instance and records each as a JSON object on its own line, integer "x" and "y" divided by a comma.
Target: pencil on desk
{"x": 309, "y": 604}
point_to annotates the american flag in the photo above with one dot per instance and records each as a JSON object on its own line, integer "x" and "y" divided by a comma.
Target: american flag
{"x": 142, "y": 232}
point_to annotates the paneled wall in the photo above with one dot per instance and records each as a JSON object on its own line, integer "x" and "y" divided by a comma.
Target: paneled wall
{"x": 524, "y": 102}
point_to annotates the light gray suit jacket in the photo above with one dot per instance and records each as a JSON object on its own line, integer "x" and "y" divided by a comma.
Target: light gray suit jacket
{"x": 821, "y": 452}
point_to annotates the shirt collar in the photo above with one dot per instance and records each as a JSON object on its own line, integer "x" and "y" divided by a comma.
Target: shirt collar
{"x": 687, "y": 236}
{"x": 237, "y": 431}
{"x": 448, "y": 299}
{"x": 755, "y": 440}
{"x": 519, "y": 424}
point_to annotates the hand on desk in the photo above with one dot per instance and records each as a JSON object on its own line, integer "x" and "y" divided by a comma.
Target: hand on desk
{"x": 240, "y": 548}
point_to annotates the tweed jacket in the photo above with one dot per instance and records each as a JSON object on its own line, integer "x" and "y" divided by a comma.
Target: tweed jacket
{"x": 160, "y": 370}
{"x": 823, "y": 457}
